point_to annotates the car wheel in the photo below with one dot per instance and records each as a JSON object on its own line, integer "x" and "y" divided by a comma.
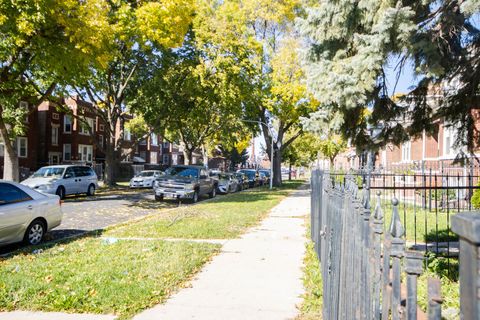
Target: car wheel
{"x": 91, "y": 190}
{"x": 195, "y": 197}
{"x": 159, "y": 198}
{"x": 213, "y": 193}
{"x": 35, "y": 232}
{"x": 60, "y": 192}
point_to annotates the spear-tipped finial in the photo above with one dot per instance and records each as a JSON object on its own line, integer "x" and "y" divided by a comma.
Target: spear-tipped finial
{"x": 378, "y": 214}
{"x": 396, "y": 228}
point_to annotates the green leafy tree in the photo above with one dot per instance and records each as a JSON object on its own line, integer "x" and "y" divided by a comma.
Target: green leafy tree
{"x": 351, "y": 44}
{"x": 138, "y": 33}
{"x": 45, "y": 45}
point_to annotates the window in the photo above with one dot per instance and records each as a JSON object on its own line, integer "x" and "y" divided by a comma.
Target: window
{"x": 449, "y": 137}
{"x": 2, "y": 149}
{"x": 100, "y": 141}
{"x": 86, "y": 125}
{"x": 143, "y": 155}
{"x": 67, "y": 152}
{"x": 406, "y": 151}
{"x": 154, "y": 138}
{"x": 22, "y": 144}
{"x": 153, "y": 157}
{"x": 55, "y": 116}
{"x": 127, "y": 135}
{"x": 55, "y": 135}
{"x": 101, "y": 127}
{"x": 69, "y": 173}
{"x": 165, "y": 159}
{"x": 12, "y": 194}
{"x": 83, "y": 171}
{"x": 85, "y": 152}
{"x": 24, "y": 105}
{"x": 67, "y": 124}
{"x": 166, "y": 145}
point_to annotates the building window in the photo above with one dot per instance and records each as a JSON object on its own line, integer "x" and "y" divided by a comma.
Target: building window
{"x": 2, "y": 149}
{"x": 143, "y": 155}
{"x": 406, "y": 151}
{"x": 55, "y": 116}
{"x": 166, "y": 145}
{"x": 449, "y": 137}
{"x": 22, "y": 145}
{"x": 67, "y": 152}
{"x": 86, "y": 125}
{"x": 127, "y": 135}
{"x": 165, "y": 159}
{"x": 101, "y": 127}
{"x": 100, "y": 141}
{"x": 153, "y": 157}
{"x": 24, "y": 105}
{"x": 154, "y": 138}
{"x": 67, "y": 124}
{"x": 85, "y": 152}
{"x": 54, "y": 135}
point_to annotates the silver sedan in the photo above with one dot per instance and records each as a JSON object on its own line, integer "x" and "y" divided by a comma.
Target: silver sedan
{"x": 25, "y": 214}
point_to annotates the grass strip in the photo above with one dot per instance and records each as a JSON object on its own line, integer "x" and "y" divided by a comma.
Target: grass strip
{"x": 91, "y": 275}
{"x": 224, "y": 217}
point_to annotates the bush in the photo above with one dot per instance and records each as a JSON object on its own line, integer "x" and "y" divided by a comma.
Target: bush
{"x": 476, "y": 198}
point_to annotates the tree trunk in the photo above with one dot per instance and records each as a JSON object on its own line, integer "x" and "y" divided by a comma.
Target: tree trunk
{"x": 289, "y": 172}
{"x": 10, "y": 159}
{"x": 110, "y": 164}
{"x": 277, "y": 168}
{"x": 205, "y": 156}
{"x": 188, "y": 155}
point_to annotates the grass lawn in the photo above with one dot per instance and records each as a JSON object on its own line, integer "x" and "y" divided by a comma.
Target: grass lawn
{"x": 108, "y": 276}
{"x": 224, "y": 217}
{"x": 89, "y": 275}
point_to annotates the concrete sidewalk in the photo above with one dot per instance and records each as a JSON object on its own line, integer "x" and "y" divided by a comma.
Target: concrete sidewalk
{"x": 255, "y": 277}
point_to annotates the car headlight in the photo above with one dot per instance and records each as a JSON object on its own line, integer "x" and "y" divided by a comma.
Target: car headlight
{"x": 189, "y": 186}
{"x": 45, "y": 186}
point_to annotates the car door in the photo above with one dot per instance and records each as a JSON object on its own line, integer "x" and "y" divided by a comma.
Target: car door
{"x": 82, "y": 174}
{"x": 70, "y": 181}
{"x": 16, "y": 208}
{"x": 204, "y": 182}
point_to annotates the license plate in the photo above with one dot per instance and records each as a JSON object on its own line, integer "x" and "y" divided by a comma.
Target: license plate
{"x": 169, "y": 195}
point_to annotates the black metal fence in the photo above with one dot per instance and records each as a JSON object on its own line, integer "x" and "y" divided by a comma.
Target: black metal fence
{"x": 362, "y": 251}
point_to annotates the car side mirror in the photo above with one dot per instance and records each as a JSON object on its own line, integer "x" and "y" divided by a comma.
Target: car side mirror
{"x": 67, "y": 176}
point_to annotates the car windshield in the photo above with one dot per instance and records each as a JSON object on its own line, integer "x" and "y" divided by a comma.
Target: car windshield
{"x": 250, "y": 174}
{"x": 48, "y": 172}
{"x": 182, "y": 172}
{"x": 146, "y": 174}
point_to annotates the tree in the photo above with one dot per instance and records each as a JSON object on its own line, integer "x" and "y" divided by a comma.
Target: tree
{"x": 257, "y": 35}
{"x": 45, "y": 44}
{"x": 139, "y": 31}
{"x": 303, "y": 151}
{"x": 235, "y": 156}
{"x": 198, "y": 97}
{"x": 352, "y": 43}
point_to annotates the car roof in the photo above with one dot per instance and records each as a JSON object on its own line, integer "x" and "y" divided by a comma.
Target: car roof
{"x": 188, "y": 166}
{"x": 65, "y": 166}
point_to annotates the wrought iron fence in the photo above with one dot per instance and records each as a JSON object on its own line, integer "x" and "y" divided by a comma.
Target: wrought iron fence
{"x": 362, "y": 259}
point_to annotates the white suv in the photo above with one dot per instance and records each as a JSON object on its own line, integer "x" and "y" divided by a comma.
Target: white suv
{"x": 63, "y": 180}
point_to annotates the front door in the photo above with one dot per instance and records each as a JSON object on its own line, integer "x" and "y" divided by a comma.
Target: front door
{"x": 70, "y": 181}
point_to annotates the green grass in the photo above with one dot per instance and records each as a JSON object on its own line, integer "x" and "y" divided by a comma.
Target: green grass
{"x": 221, "y": 218}
{"x": 91, "y": 276}
{"x": 423, "y": 223}
{"x": 311, "y": 307}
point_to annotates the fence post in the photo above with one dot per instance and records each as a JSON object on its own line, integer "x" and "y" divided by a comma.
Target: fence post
{"x": 377, "y": 256}
{"x": 467, "y": 226}
{"x": 413, "y": 268}
{"x": 434, "y": 299}
{"x": 397, "y": 252}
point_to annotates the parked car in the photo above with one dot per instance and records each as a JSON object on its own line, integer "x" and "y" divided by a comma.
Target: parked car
{"x": 242, "y": 181}
{"x": 252, "y": 175}
{"x": 25, "y": 214}
{"x": 145, "y": 179}
{"x": 185, "y": 182}
{"x": 63, "y": 180}
{"x": 263, "y": 178}
{"x": 227, "y": 182}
